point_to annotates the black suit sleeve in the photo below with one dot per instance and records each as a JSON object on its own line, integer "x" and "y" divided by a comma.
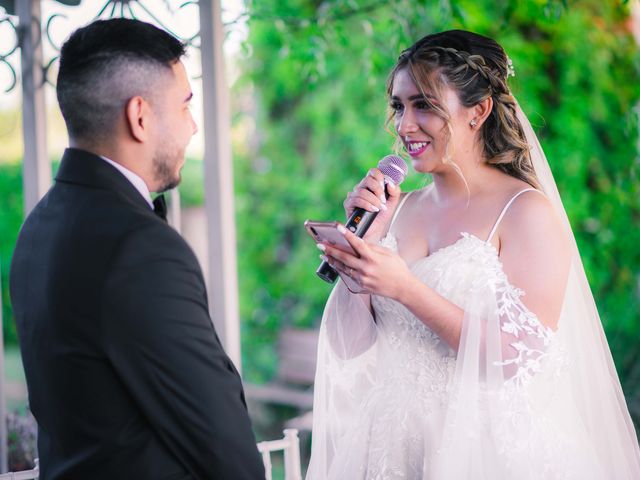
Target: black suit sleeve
{"x": 159, "y": 337}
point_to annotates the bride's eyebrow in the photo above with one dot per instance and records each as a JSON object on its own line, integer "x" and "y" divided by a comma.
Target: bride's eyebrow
{"x": 419, "y": 96}
{"x": 428, "y": 98}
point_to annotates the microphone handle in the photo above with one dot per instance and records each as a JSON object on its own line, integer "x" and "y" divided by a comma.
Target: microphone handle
{"x": 359, "y": 222}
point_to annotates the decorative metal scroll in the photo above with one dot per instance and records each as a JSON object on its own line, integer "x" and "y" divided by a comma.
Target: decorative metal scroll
{"x": 135, "y": 9}
{"x": 8, "y": 25}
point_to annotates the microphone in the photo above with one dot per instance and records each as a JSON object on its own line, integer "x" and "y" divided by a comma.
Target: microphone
{"x": 394, "y": 170}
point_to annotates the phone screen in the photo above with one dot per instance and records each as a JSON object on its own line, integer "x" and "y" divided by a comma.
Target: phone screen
{"x": 327, "y": 232}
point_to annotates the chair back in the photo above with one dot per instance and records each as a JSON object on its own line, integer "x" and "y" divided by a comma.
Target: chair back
{"x": 22, "y": 475}
{"x": 290, "y": 445}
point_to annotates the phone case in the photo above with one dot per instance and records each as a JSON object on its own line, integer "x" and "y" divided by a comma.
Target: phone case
{"x": 328, "y": 232}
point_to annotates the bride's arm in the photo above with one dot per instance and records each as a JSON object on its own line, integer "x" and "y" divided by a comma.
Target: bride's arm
{"x": 383, "y": 272}
{"x": 349, "y": 318}
{"x": 535, "y": 256}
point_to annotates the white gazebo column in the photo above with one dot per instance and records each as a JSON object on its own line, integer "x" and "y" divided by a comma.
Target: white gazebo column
{"x": 218, "y": 184}
{"x": 36, "y": 167}
{"x": 174, "y": 214}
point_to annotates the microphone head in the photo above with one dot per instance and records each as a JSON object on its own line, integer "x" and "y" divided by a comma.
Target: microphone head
{"x": 394, "y": 168}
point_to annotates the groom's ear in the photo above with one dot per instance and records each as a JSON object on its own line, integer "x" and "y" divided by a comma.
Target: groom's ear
{"x": 138, "y": 116}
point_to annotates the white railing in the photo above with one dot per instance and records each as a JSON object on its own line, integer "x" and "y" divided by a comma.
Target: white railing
{"x": 291, "y": 446}
{"x": 23, "y": 475}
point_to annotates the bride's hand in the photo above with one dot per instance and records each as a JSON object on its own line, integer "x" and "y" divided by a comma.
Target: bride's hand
{"x": 370, "y": 195}
{"x": 377, "y": 269}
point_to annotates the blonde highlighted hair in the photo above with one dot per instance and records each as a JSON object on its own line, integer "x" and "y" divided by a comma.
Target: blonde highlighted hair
{"x": 476, "y": 67}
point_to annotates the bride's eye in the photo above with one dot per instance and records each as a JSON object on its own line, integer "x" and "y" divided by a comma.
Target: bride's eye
{"x": 397, "y": 107}
{"x": 422, "y": 105}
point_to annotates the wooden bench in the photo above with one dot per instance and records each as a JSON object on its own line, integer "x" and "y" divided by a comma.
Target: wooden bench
{"x": 293, "y": 383}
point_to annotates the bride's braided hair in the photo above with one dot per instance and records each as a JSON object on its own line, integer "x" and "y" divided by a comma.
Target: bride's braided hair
{"x": 476, "y": 67}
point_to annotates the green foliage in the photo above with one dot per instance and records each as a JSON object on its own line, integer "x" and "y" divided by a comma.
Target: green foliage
{"x": 10, "y": 221}
{"x": 316, "y": 75}
{"x": 191, "y": 186}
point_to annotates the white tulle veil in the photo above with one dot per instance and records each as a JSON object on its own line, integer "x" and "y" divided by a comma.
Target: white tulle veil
{"x": 592, "y": 378}
{"x": 571, "y": 410}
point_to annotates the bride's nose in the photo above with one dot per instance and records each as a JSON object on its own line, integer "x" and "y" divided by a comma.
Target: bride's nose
{"x": 406, "y": 124}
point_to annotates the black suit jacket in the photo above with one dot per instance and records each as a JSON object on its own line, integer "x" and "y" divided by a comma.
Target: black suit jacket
{"x": 126, "y": 375}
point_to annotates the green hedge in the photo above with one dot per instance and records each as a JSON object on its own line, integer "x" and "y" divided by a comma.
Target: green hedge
{"x": 315, "y": 73}
{"x": 10, "y": 221}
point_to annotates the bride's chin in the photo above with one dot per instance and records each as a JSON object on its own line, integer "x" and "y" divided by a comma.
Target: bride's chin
{"x": 423, "y": 165}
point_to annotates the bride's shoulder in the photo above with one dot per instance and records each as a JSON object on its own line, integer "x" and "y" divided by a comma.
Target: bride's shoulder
{"x": 531, "y": 218}
{"x": 520, "y": 199}
{"x": 528, "y": 205}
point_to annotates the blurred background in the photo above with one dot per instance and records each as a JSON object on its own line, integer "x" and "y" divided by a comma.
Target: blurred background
{"x": 307, "y": 93}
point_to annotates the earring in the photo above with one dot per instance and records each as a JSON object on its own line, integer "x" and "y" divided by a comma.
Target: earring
{"x": 473, "y": 123}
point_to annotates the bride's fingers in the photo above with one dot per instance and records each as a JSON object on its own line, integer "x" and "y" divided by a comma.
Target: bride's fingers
{"x": 358, "y": 244}
{"x": 344, "y": 260}
{"x": 337, "y": 265}
{"x": 368, "y": 201}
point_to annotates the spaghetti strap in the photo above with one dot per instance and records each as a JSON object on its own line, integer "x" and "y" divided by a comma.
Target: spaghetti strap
{"x": 504, "y": 210}
{"x": 395, "y": 214}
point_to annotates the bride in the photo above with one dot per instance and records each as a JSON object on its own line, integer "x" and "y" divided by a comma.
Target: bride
{"x": 477, "y": 351}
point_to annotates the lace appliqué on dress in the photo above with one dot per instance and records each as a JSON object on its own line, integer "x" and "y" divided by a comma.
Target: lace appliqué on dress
{"x": 527, "y": 339}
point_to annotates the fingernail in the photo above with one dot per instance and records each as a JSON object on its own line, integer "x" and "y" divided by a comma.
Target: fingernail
{"x": 383, "y": 199}
{"x": 323, "y": 258}
{"x": 321, "y": 246}
{"x": 382, "y": 184}
{"x": 341, "y": 229}
{"x": 384, "y": 207}
{"x": 374, "y": 208}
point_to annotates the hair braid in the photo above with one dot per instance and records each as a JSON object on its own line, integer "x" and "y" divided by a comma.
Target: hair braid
{"x": 477, "y": 68}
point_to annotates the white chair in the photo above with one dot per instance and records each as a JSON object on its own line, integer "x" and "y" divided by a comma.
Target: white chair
{"x": 23, "y": 475}
{"x": 291, "y": 446}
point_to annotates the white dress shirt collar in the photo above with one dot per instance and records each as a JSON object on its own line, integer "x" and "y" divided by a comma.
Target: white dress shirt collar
{"x": 135, "y": 180}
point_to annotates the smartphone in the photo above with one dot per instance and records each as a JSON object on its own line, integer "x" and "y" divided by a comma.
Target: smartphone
{"x": 327, "y": 232}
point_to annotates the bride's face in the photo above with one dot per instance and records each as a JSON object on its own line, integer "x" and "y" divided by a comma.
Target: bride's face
{"x": 423, "y": 131}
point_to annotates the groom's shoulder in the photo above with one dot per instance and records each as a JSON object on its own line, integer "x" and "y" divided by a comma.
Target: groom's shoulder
{"x": 146, "y": 239}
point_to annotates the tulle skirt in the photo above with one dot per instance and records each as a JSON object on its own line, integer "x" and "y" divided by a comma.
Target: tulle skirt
{"x": 398, "y": 431}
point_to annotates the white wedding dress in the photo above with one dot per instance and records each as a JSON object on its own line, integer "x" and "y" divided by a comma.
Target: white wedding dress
{"x": 399, "y": 425}
{"x": 517, "y": 401}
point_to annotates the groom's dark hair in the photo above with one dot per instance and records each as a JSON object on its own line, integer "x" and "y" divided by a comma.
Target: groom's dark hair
{"x": 104, "y": 65}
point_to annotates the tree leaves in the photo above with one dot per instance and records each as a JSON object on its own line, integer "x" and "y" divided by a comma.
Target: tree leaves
{"x": 318, "y": 71}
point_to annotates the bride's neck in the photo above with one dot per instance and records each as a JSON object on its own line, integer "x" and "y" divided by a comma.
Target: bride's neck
{"x": 450, "y": 187}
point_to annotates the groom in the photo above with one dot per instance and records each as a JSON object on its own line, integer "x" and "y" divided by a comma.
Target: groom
{"x": 126, "y": 375}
